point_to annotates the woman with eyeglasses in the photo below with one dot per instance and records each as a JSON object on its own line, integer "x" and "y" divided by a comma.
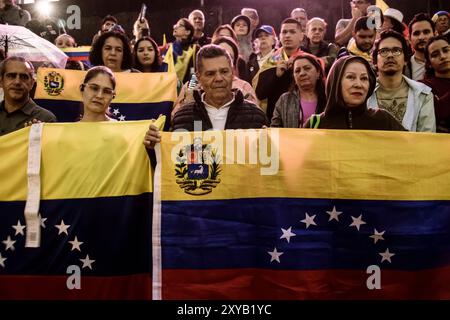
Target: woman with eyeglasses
{"x": 349, "y": 84}
{"x": 97, "y": 90}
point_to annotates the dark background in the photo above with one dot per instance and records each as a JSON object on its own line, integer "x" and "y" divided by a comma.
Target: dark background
{"x": 163, "y": 14}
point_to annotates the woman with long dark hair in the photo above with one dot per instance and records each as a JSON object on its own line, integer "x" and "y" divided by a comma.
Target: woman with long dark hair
{"x": 112, "y": 49}
{"x": 147, "y": 57}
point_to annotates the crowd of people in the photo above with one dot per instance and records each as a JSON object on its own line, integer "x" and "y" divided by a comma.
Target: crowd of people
{"x": 378, "y": 73}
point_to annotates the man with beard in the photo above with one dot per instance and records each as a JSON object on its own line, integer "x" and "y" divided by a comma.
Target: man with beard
{"x": 421, "y": 29}
{"x": 364, "y": 38}
{"x": 409, "y": 101}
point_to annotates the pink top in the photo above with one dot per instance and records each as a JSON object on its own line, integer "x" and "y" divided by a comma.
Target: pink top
{"x": 309, "y": 108}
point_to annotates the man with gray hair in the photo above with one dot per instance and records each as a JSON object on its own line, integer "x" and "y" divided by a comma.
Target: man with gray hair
{"x": 301, "y": 16}
{"x": 197, "y": 18}
{"x": 217, "y": 106}
{"x": 316, "y": 28}
{"x": 252, "y": 14}
{"x": 18, "y": 110}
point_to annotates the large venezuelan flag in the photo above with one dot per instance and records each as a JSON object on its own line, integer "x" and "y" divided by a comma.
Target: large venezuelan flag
{"x": 95, "y": 208}
{"x": 340, "y": 204}
{"x": 138, "y": 95}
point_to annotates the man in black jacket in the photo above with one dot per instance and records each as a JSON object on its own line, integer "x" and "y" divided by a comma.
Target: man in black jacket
{"x": 218, "y": 107}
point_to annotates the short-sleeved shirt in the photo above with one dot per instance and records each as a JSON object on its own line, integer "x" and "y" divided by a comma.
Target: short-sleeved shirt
{"x": 16, "y": 120}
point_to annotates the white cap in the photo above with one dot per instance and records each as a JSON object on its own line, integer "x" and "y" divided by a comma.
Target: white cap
{"x": 394, "y": 14}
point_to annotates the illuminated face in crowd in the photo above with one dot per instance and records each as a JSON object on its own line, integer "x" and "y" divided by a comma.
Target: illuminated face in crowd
{"x": 421, "y": 32}
{"x": 241, "y": 28}
{"x": 305, "y": 74}
{"x": 362, "y": 5}
{"x": 365, "y": 39}
{"x": 97, "y": 94}
{"x": 355, "y": 84}
{"x": 301, "y": 17}
{"x": 198, "y": 20}
{"x": 265, "y": 41}
{"x": 65, "y": 41}
{"x": 146, "y": 53}
{"x": 216, "y": 77}
{"x": 17, "y": 81}
{"x": 108, "y": 25}
{"x": 180, "y": 31}
{"x": 290, "y": 36}
{"x": 442, "y": 23}
{"x": 112, "y": 54}
{"x": 439, "y": 54}
{"x": 254, "y": 19}
{"x": 390, "y": 57}
{"x": 316, "y": 31}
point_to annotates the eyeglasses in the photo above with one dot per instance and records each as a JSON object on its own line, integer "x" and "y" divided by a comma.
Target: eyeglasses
{"x": 96, "y": 89}
{"x": 175, "y": 26}
{"x": 13, "y": 75}
{"x": 396, "y": 51}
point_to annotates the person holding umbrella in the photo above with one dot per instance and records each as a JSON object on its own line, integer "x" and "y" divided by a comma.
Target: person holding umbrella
{"x": 18, "y": 110}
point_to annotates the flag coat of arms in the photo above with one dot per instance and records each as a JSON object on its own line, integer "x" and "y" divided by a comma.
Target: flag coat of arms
{"x": 95, "y": 207}
{"x": 341, "y": 215}
{"x": 139, "y": 96}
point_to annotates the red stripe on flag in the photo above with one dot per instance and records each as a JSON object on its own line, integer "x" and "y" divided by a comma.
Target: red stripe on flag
{"x": 257, "y": 284}
{"x": 133, "y": 287}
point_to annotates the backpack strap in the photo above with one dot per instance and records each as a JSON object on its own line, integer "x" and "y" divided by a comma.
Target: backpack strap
{"x": 314, "y": 121}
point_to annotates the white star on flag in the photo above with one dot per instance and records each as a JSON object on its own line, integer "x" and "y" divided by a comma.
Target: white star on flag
{"x": 287, "y": 234}
{"x": 309, "y": 220}
{"x": 116, "y": 112}
{"x": 122, "y": 118}
{"x": 42, "y": 220}
{"x": 275, "y": 255}
{"x": 2, "y": 261}
{"x": 386, "y": 256}
{"x": 87, "y": 263}
{"x": 334, "y": 215}
{"x": 9, "y": 243}
{"x": 76, "y": 244}
{"x": 19, "y": 228}
{"x": 377, "y": 235}
{"x": 62, "y": 228}
{"x": 357, "y": 222}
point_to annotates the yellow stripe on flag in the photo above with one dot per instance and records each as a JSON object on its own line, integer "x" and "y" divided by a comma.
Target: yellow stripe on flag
{"x": 80, "y": 160}
{"x": 326, "y": 164}
{"x": 131, "y": 87}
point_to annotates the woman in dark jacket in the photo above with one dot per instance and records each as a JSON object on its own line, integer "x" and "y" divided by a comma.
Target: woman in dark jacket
{"x": 306, "y": 96}
{"x": 350, "y": 82}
